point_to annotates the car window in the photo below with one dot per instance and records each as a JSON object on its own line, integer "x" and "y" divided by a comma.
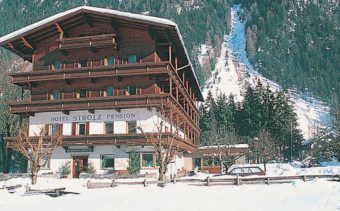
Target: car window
{"x": 256, "y": 170}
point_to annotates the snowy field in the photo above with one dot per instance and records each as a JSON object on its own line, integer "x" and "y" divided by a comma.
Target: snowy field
{"x": 318, "y": 194}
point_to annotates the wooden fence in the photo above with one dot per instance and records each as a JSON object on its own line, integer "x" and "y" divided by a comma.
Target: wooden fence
{"x": 211, "y": 181}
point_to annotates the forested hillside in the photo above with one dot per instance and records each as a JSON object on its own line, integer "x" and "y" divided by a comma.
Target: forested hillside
{"x": 296, "y": 43}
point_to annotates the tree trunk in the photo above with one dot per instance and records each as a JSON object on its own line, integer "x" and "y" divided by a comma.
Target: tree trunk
{"x": 265, "y": 165}
{"x": 161, "y": 166}
{"x": 34, "y": 171}
{"x": 8, "y": 161}
{"x": 161, "y": 172}
{"x": 221, "y": 166}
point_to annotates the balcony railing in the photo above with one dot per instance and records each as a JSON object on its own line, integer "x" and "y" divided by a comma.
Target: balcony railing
{"x": 27, "y": 78}
{"x": 93, "y": 103}
{"x": 97, "y": 41}
{"x": 115, "y": 139}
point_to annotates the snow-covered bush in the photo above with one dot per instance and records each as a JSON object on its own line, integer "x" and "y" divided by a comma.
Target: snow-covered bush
{"x": 65, "y": 169}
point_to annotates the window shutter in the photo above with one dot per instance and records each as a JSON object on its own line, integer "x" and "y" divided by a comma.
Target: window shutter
{"x": 46, "y": 130}
{"x": 74, "y": 127}
{"x": 60, "y": 127}
{"x": 87, "y": 128}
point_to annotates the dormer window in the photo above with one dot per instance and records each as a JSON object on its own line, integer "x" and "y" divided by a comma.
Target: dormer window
{"x": 132, "y": 59}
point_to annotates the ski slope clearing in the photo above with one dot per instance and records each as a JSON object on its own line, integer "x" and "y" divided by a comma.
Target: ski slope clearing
{"x": 234, "y": 73}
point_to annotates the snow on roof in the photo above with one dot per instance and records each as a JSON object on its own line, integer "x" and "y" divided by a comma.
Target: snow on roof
{"x": 53, "y": 18}
{"x": 225, "y": 146}
{"x": 86, "y": 8}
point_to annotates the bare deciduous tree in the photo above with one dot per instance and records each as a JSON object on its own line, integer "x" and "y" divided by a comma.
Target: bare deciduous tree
{"x": 165, "y": 145}
{"x": 221, "y": 145}
{"x": 37, "y": 150}
{"x": 263, "y": 147}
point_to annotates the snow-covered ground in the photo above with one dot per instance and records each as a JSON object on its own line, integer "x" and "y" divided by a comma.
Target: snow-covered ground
{"x": 234, "y": 73}
{"x": 318, "y": 194}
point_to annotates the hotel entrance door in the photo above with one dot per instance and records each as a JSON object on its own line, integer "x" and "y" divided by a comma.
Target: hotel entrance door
{"x": 80, "y": 163}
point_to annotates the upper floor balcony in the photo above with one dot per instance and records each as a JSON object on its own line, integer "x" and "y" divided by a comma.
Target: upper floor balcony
{"x": 164, "y": 101}
{"x": 116, "y": 139}
{"x": 32, "y": 78}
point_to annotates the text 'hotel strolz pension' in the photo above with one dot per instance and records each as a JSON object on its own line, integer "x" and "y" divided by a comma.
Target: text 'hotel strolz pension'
{"x": 98, "y": 75}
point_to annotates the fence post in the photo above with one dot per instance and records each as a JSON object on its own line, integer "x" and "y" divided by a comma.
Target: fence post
{"x": 208, "y": 181}
{"x": 304, "y": 178}
{"x": 174, "y": 180}
{"x": 145, "y": 183}
{"x": 238, "y": 180}
{"x": 88, "y": 184}
{"x": 268, "y": 181}
{"x": 113, "y": 183}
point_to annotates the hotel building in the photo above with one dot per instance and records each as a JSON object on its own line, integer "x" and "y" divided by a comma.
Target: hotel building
{"x": 97, "y": 76}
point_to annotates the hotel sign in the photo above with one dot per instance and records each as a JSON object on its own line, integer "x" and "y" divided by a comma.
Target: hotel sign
{"x": 99, "y": 116}
{"x": 93, "y": 117}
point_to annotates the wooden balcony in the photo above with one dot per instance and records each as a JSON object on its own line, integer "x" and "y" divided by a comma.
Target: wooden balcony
{"x": 29, "y": 108}
{"x": 114, "y": 139}
{"x": 31, "y": 78}
{"x": 97, "y": 41}
{"x": 91, "y": 104}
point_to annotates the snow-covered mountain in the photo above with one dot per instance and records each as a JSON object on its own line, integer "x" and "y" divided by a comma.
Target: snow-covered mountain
{"x": 234, "y": 73}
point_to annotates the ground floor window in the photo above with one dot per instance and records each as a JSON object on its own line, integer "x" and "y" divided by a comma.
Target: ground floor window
{"x": 109, "y": 128}
{"x": 107, "y": 161}
{"x": 147, "y": 160}
{"x": 131, "y": 127}
{"x": 81, "y": 128}
{"x": 210, "y": 162}
{"x": 44, "y": 163}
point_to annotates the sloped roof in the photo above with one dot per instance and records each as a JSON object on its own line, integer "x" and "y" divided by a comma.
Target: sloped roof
{"x": 164, "y": 24}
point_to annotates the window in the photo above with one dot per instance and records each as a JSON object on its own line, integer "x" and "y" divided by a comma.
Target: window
{"x": 131, "y": 90}
{"x": 82, "y": 93}
{"x": 109, "y": 127}
{"x": 57, "y": 65}
{"x": 109, "y": 91}
{"x": 54, "y": 129}
{"x": 83, "y": 63}
{"x": 147, "y": 160}
{"x": 207, "y": 161}
{"x": 81, "y": 129}
{"x": 107, "y": 161}
{"x": 131, "y": 127}
{"x": 132, "y": 59}
{"x": 44, "y": 163}
{"x": 110, "y": 60}
{"x": 55, "y": 94}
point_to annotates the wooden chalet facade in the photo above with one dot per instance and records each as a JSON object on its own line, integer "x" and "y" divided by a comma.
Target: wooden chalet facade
{"x": 97, "y": 75}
